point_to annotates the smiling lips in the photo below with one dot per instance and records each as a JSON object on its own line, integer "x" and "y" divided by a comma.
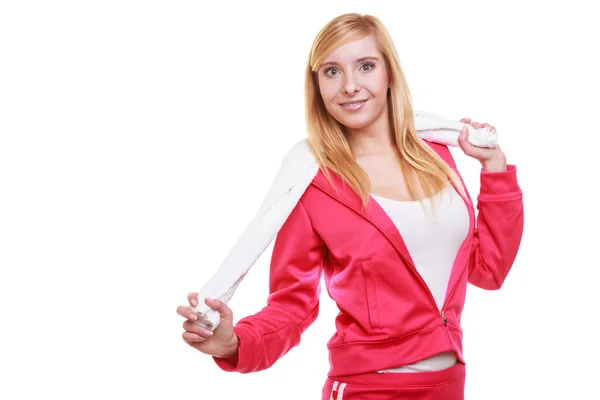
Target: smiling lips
{"x": 356, "y": 105}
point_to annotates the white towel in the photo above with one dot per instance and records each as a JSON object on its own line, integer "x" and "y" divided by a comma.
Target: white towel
{"x": 297, "y": 171}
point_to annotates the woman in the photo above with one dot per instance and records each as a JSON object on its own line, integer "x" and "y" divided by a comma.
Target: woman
{"x": 389, "y": 223}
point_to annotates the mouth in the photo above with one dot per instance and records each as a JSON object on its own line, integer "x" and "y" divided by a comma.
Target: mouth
{"x": 354, "y": 105}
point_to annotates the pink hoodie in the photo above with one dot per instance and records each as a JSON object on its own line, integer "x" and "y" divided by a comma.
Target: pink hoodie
{"x": 388, "y": 317}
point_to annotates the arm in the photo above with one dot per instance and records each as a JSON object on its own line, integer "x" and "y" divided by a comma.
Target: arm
{"x": 293, "y": 302}
{"x": 499, "y": 228}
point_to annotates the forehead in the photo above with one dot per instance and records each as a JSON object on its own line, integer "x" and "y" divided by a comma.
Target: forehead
{"x": 349, "y": 52}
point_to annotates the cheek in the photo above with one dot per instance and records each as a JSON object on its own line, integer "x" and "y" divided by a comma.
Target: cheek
{"x": 329, "y": 94}
{"x": 381, "y": 82}
{"x": 328, "y": 91}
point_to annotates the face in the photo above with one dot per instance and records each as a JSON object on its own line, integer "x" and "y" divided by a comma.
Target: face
{"x": 353, "y": 82}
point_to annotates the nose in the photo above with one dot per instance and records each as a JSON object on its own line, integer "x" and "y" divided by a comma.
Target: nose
{"x": 351, "y": 86}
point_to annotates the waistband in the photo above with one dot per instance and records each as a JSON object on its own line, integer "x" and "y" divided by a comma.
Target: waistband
{"x": 394, "y": 379}
{"x": 366, "y": 357}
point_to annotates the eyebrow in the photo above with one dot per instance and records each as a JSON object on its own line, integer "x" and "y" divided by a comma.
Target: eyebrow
{"x": 358, "y": 61}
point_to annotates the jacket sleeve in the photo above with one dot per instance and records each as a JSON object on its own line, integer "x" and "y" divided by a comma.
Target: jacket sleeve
{"x": 293, "y": 302}
{"x": 499, "y": 228}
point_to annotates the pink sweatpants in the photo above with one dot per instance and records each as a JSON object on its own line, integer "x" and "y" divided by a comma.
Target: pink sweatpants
{"x": 448, "y": 384}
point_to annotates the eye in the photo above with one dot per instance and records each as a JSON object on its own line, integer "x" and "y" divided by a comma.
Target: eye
{"x": 330, "y": 69}
{"x": 369, "y": 65}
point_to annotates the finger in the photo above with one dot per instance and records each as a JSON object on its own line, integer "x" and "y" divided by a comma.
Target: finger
{"x": 191, "y": 338}
{"x": 485, "y": 125}
{"x": 221, "y": 307}
{"x": 463, "y": 139}
{"x": 197, "y": 329}
{"x": 185, "y": 312}
{"x": 476, "y": 125}
{"x": 465, "y": 120}
{"x": 193, "y": 298}
{"x": 493, "y": 129}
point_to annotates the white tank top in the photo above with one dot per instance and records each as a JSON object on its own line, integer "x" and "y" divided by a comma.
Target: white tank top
{"x": 432, "y": 237}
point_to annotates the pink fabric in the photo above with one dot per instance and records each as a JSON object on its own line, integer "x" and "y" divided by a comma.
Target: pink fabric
{"x": 388, "y": 316}
{"x": 448, "y": 384}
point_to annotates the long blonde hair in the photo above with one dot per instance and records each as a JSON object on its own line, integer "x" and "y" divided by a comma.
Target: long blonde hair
{"x": 327, "y": 137}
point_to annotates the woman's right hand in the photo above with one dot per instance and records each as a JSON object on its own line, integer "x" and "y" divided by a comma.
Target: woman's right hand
{"x": 221, "y": 343}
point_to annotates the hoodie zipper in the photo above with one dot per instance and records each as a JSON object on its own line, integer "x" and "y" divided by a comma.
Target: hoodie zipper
{"x": 472, "y": 224}
{"x": 444, "y": 318}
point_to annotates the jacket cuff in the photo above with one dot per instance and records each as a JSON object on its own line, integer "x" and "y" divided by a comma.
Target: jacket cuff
{"x": 499, "y": 183}
{"x": 245, "y": 358}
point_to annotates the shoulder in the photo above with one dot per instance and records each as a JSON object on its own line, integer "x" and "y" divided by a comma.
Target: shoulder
{"x": 297, "y": 169}
{"x": 297, "y": 162}
{"x": 298, "y": 153}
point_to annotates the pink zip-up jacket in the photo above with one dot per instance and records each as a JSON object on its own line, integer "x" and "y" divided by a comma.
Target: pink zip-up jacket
{"x": 388, "y": 316}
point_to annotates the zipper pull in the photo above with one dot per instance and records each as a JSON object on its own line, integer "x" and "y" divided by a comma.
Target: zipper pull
{"x": 444, "y": 318}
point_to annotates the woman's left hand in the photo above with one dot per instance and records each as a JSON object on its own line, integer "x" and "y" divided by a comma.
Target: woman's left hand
{"x": 492, "y": 160}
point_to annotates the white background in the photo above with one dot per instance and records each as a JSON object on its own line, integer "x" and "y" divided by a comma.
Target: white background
{"x": 139, "y": 137}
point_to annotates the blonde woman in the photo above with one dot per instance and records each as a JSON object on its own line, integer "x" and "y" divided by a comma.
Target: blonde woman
{"x": 389, "y": 223}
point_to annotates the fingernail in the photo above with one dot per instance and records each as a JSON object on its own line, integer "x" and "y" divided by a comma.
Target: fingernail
{"x": 194, "y": 302}
{"x": 208, "y": 333}
{"x": 193, "y": 317}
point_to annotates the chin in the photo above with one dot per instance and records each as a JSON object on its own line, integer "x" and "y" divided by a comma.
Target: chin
{"x": 356, "y": 123}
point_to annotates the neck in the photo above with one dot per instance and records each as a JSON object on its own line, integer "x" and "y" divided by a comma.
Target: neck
{"x": 373, "y": 139}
